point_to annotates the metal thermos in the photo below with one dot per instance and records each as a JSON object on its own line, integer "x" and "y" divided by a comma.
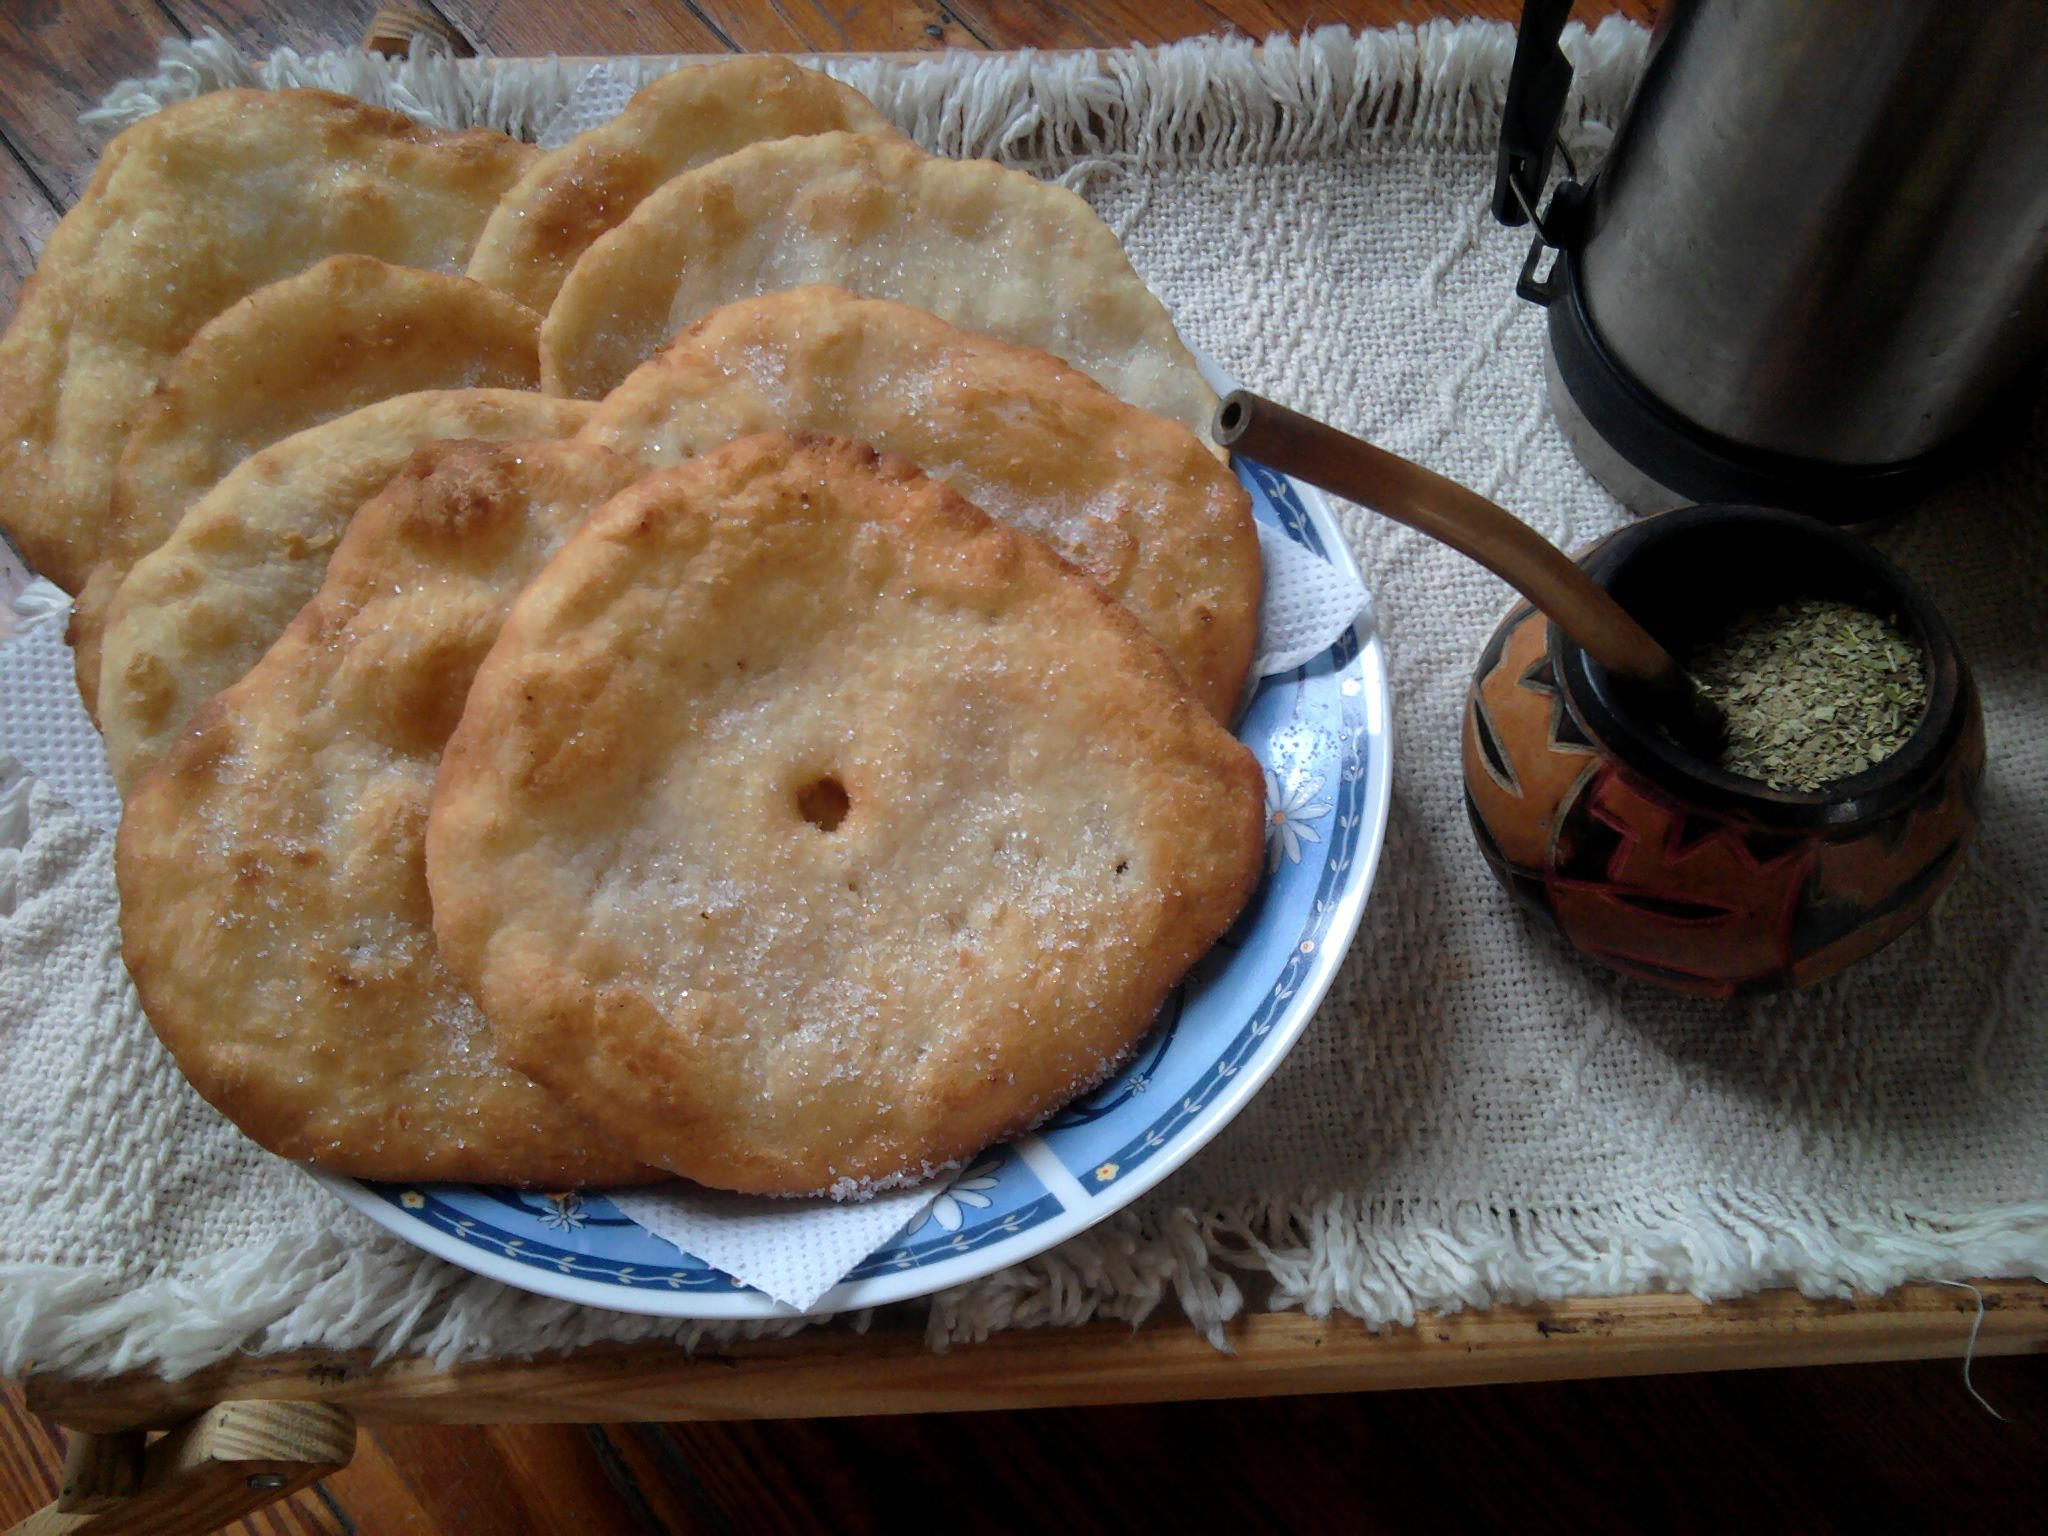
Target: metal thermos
{"x": 1815, "y": 257}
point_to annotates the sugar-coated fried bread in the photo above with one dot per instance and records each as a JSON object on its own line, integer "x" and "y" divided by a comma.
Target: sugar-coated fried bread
{"x": 1133, "y": 499}
{"x": 199, "y": 612}
{"x": 346, "y": 332}
{"x": 989, "y": 249}
{"x": 188, "y": 211}
{"x": 273, "y": 885}
{"x": 686, "y": 118}
{"x": 809, "y": 828}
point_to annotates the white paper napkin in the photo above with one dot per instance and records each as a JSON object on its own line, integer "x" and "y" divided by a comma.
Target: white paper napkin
{"x": 795, "y": 1250}
{"x": 599, "y": 96}
{"x": 42, "y": 721}
{"x": 1305, "y": 605}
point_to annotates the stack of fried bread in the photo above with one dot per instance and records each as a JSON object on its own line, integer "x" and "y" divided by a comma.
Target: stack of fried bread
{"x": 708, "y": 652}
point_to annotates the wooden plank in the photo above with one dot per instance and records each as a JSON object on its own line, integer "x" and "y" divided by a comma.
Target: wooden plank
{"x": 1810, "y": 1450}
{"x": 100, "y": 1471}
{"x": 224, "y": 1464}
{"x": 508, "y": 1478}
{"x": 836, "y": 26}
{"x": 31, "y": 1467}
{"x": 1113, "y": 23}
{"x": 836, "y": 1371}
{"x": 1302, "y": 15}
{"x": 738, "y": 1466}
{"x": 671, "y": 1487}
{"x": 528, "y": 1478}
{"x": 256, "y": 28}
{"x": 1110, "y": 23}
{"x": 904, "y": 26}
{"x": 30, "y": 1478}
{"x": 395, "y": 31}
{"x": 55, "y": 62}
{"x": 27, "y": 215}
{"x": 520, "y": 29}
{"x": 376, "y": 1493}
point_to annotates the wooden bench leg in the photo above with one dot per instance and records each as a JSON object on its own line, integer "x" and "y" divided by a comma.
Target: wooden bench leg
{"x": 228, "y": 1462}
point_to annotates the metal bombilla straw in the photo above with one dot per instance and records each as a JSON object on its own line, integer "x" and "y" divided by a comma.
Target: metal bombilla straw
{"x": 1448, "y": 512}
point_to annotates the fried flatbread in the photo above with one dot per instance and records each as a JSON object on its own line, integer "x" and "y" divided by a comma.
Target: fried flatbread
{"x": 190, "y": 210}
{"x": 685, "y": 119}
{"x": 989, "y": 249}
{"x": 344, "y": 333}
{"x": 811, "y": 828}
{"x": 273, "y": 886}
{"x": 196, "y": 614}
{"x": 1135, "y": 500}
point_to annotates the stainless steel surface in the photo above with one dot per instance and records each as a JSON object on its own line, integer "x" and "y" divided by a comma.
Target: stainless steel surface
{"x": 1617, "y": 476}
{"x": 1823, "y": 229}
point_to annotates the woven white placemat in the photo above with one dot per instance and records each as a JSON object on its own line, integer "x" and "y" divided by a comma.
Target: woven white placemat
{"x": 1475, "y": 1114}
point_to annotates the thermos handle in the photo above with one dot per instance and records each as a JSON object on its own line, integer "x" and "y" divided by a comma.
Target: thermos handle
{"x": 1537, "y": 84}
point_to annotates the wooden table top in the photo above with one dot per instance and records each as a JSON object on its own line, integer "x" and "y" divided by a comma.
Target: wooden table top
{"x": 54, "y": 62}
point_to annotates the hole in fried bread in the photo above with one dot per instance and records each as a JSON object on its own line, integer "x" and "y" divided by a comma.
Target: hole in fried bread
{"x": 823, "y": 802}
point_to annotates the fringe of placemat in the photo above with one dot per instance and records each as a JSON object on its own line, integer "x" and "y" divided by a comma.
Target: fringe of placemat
{"x": 432, "y": 88}
{"x": 1386, "y": 1261}
{"x": 383, "y": 1297}
{"x": 1207, "y": 100}
{"x": 1380, "y": 1261}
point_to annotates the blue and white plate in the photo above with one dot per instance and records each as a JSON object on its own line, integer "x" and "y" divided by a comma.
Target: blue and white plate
{"x": 1321, "y": 732}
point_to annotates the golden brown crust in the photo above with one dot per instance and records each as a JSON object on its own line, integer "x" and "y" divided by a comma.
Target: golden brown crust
{"x": 568, "y": 198}
{"x": 344, "y": 333}
{"x": 1133, "y": 499}
{"x": 989, "y": 249}
{"x": 187, "y": 212}
{"x": 196, "y": 614}
{"x": 273, "y": 891}
{"x": 811, "y": 827}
